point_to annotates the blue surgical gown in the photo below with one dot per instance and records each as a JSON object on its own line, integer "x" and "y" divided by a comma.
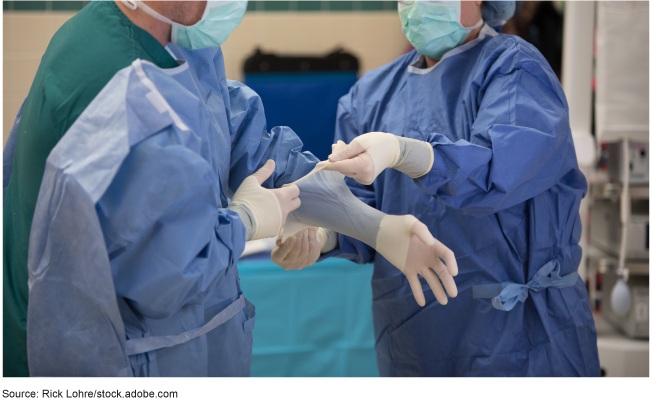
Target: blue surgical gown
{"x": 132, "y": 257}
{"x": 503, "y": 194}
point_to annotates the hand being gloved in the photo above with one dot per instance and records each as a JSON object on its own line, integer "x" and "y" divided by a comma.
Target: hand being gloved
{"x": 303, "y": 249}
{"x": 407, "y": 243}
{"x": 369, "y": 154}
{"x": 263, "y": 211}
{"x": 297, "y": 252}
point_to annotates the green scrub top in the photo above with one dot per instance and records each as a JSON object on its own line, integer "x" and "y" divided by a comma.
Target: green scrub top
{"x": 84, "y": 54}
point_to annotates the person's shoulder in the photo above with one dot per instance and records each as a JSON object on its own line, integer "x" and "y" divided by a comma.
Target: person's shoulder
{"x": 512, "y": 45}
{"x": 86, "y": 52}
{"x": 98, "y": 24}
{"x": 510, "y": 52}
{"x": 509, "y": 55}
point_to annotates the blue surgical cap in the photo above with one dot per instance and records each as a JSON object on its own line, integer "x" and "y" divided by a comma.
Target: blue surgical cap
{"x": 497, "y": 12}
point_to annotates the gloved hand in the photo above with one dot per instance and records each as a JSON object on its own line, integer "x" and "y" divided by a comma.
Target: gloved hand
{"x": 264, "y": 211}
{"x": 369, "y": 154}
{"x": 297, "y": 252}
{"x": 303, "y": 249}
{"x": 407, "y": 243}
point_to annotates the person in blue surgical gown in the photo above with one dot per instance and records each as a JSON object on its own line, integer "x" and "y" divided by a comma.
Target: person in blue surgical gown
{"x": 147, "y": 199}
{"x": 484, "y": 123}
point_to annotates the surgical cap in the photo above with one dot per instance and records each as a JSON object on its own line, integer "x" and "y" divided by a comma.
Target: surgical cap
{"x": 497, "y": 12}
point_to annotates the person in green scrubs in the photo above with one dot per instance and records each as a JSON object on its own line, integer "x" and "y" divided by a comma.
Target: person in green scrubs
{"x": 82, "y": 57}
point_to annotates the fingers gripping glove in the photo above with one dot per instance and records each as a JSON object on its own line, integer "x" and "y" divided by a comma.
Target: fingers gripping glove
{"x": 384, "y": 149}
{"x": 260, "y": 207}
{"x": 369, "y": 154}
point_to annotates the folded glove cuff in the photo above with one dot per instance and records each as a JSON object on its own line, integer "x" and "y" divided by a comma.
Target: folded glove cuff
{"x": 245, "y": 214}
{"x": 328, "y": 240}
{"x": 416, "y": 157}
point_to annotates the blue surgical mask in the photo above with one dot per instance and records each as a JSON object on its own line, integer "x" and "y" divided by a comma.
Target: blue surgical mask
{"x": 433, "y": 27}
{"x": 219, "y": 19}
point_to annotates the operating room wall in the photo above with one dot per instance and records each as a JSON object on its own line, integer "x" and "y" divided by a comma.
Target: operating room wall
{"x": 25, "y": 38}
{"x": 375, "y": 37}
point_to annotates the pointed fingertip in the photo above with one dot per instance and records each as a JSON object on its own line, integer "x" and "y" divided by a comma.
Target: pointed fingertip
{"x": 444, "y": 302}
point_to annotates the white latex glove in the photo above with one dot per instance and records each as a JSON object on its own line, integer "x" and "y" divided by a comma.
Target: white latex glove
{"x": 407, "y": 243}
{"x": 264, "y": 210}
{"x": 297, "y": 252}
{"x": 369, "y": 154}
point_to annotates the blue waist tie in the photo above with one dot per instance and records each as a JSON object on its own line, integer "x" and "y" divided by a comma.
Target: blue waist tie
{"x": 506, "y": 295}
{"x": 143, "y": 345}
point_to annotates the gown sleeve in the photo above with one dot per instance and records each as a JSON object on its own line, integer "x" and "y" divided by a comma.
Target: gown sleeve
{"x": 169, "y": 243}
{"x": 520, "y": 145}
{"x": 168, "y": 240}
{"x": 253, "y": 145}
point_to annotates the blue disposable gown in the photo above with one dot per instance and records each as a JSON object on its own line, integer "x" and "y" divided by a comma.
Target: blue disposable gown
{"x": 132, "y": 253}
{"x": 503, "y": 194}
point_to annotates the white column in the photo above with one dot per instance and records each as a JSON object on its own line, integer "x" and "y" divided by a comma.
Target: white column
{"x": 577, "y": 75}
